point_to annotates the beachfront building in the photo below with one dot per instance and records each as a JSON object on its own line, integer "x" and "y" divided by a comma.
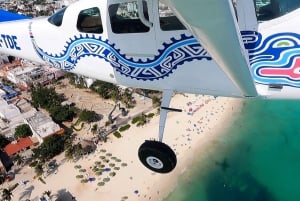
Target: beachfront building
{"x": 7, "y": 92}
{"x": 13, "y": 115}
{"x": 19, "y": 146}
{"x": 23, "y": 76}
{"x": 8, "y": 111}
{"x": 27, "y": 76}
{"x": 42, "y": 126}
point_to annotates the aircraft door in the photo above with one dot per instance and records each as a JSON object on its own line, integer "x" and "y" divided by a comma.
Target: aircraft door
{"x": 131, "y": 29}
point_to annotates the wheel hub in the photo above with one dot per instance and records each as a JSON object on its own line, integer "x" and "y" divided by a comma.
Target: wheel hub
{"x": 154, "y": 162}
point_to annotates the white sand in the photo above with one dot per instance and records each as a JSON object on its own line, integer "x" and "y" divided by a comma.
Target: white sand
{"x": 188, "y": 135}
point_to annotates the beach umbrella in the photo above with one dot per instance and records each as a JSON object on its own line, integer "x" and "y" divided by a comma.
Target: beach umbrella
{"x": 107, "y": 179}
{"x": 112, "y": 174}
{"x": 136, "y": 192}
{"x": 101, "y": 184}
{"x": 106, "y": 169}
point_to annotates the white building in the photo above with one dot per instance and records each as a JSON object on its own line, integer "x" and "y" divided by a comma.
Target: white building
{"x": 42, "y": 126}
{"x": 16, "y": 74}
{"x": 11, "y": 117}
{"x": 8, "y": 111}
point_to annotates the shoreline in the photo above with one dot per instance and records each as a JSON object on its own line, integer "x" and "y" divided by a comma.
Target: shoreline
{"x": 188, "y": 134}
{"x": 210, "y": 135}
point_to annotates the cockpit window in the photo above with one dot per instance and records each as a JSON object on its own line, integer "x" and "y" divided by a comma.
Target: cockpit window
{"x": 168, "y": 21}
{"x": 89, "y": 21}
{"x": 57, "y": 18}
{"x": 124, "y": 18}
{"x": 270, "y": 9}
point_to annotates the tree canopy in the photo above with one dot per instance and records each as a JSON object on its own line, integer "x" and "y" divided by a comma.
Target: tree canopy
{"x": 61, "y": 113}
{"x": 22, "y": 131}
{"x": 45, "y": 97}
{"x": 87, "y": 115}
{"x": 3, "y": 141}
{"x": 105, "y": 90}
{"x": 6, "y": 194}
{"x": 48, "y": 99}
{"x": 51, "y": 147}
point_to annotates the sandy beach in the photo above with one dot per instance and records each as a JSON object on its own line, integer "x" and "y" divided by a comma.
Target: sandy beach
{"x": 189, "y": 133}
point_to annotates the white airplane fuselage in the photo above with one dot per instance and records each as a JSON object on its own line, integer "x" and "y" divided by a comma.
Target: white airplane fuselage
{"x": 160, "y": 59}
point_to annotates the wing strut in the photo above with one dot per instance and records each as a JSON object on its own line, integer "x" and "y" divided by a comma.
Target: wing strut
{"x": 214, "y": 23}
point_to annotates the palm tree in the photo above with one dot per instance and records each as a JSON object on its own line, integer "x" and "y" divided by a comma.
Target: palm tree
{"x": 39, "y": 169}
{"x": 94, "y": 129}
{"x": 19, "y": 159}
{"x": 6, "y": 194}
{"x": 48, "y": 193}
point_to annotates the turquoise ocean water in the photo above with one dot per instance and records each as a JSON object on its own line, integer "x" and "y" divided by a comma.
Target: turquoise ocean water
{"x": 257, "y": 159}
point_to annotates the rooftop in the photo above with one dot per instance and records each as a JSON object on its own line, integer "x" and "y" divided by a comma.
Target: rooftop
{"x": 16, "y": 146}
{"x": 42, "y": 124}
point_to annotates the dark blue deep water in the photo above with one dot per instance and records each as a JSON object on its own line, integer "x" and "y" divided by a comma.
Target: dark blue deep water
{"x": 257, "y": 159}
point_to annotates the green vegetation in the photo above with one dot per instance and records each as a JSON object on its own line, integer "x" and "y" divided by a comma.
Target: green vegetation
{"x": 77, "y": 129}
{"x": 42, "y": 180}
{"x": 139, "y": 120}
{"x": 73, "y": 151}
{"x": 106, "y": 90}
{"x": 142, "y": 119}
{"x": 150, "y": 115}
{"x": 6, "y": 194}
{"x": 75, "y": 80}
{"x": 110, "y": 91}
{"x": 94, "y": 129}
{"x": 117, "y": 134}
{"x": 22, "y": 131}
{"x": 3, "y": 141}
{"x": 45, "y": 97}
{"x": 61, "y": 113}
{"x": 48, "y": 99}
{"x": 156, "y": 102}
{"x": 52, "y": 146}
{"x": 39, "y": 169}
{"x": 87, "y": 116}
{"x": 2, "y": 178}
{"x": 18, "y": 159}
{"x": 124, "y": 128}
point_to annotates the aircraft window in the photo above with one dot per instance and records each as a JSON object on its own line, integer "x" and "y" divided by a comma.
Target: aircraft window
{"x": 57, "y": 18}
{"x": 89, "y": 21}
{"x": 124, "y": 18}
{"x": 168, "y": 21}
{"x": 270, "y": 9}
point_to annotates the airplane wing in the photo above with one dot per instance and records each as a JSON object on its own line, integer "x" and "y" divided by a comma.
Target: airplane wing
{"x": 9, "y": 16}
{"x": 225, "y": 46}
{"x": 249, "y": 56}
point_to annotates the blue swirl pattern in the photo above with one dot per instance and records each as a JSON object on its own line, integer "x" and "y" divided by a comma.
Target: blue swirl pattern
{"x": 274, "y": 59}
{"x": 173, "y": 55}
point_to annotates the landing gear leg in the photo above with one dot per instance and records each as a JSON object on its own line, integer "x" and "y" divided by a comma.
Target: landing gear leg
{"x": 156, "y": 155}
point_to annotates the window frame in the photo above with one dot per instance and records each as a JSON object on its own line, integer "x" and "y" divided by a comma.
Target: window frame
{"x": 92, "y": 23}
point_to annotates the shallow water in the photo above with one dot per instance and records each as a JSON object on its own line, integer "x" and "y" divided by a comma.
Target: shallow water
{"x": 257, "y": 159}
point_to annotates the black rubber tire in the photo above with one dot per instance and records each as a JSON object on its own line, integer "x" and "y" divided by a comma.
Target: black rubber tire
{"x": 157, "y": 156}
